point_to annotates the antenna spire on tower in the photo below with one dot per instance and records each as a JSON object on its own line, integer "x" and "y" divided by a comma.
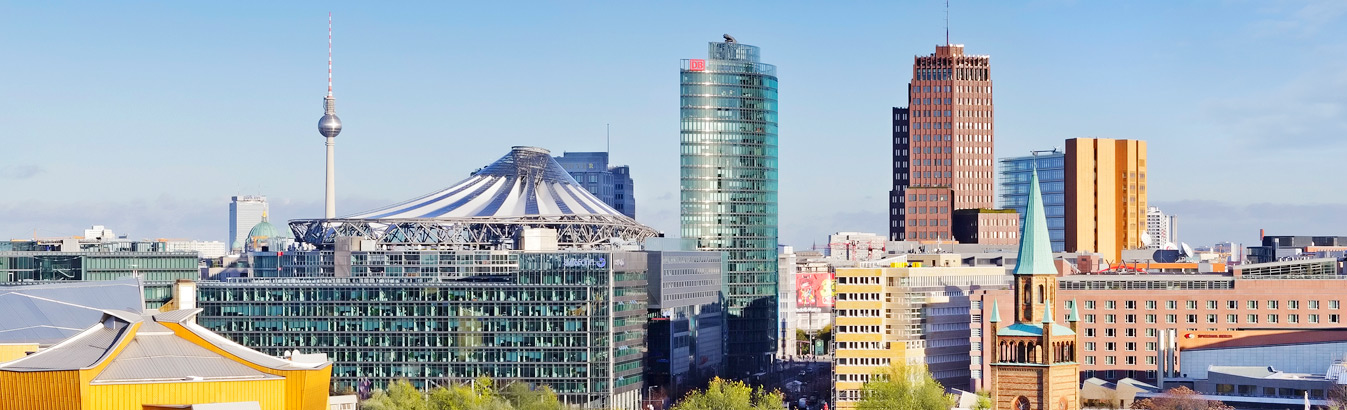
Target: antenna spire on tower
{"x": 330, "y": 53}
{"x": 946, "y": 29}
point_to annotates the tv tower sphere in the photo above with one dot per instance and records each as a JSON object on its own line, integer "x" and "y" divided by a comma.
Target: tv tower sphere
{"x": 329, "y": 125}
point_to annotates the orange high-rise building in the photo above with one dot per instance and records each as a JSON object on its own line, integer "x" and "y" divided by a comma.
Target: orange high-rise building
{"x": 1105, "y": 196}
{"x": 942, "y": 145}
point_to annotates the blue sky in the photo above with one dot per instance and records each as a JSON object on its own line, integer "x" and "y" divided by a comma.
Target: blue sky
{"x": 146, "y": 117}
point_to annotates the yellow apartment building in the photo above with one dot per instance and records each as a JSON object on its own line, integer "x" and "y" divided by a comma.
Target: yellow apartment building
{"x": 914, "y": 312}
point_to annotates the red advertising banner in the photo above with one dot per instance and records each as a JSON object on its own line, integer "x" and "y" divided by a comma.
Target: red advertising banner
{"x": 814, "y": 290}
{"x": 696, "y": 64}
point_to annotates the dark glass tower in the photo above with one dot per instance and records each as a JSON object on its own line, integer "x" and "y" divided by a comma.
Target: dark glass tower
{"x": 729, "y": 188}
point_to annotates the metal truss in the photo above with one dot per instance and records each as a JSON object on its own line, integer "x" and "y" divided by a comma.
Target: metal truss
{"x": 573, "y": 231}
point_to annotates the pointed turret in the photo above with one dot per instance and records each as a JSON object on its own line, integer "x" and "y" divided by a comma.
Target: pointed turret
{"x": 1035, "y": 256}
{"x": 1074, "y": 316}
{"x": 996, "y": 313}
{"x": 1047, "y": 314}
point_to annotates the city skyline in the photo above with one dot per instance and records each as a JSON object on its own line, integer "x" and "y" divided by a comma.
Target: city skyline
{"x": 119, "y": 109}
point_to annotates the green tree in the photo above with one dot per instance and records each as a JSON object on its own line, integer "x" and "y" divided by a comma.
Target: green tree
{"x": 480, "y": 395}
{"x": 984, "y": 401}
{"x": 904, "y": 387}
{"x": 521, "y": 397}
{"x": 1180, "y": 398}
{"x": 730, "y": 395}
{"x": 400, "y": 395}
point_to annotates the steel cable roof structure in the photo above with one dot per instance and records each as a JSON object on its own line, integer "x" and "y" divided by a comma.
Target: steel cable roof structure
{"x": 526, "y": 188}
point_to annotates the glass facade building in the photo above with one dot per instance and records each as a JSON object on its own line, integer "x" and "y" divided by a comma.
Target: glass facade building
{"x": 572, "y": 320}
{"x": 34, "y": 262}
{"x": 1015, "y": 175}
{"x": 611, "y": 184}
{"x": 728, "y": 160}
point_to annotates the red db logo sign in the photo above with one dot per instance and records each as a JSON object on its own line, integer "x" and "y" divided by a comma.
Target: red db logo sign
{"x": 697, "y": 65}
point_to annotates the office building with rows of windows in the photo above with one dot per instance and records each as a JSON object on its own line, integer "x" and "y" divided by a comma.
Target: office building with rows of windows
{"x": 729, "y": 187}
{"x": 57, "y": 261}
{"x": 942, "y": 145}
{"x": 572, "y": 320}
{"x": 1123, "y": 315}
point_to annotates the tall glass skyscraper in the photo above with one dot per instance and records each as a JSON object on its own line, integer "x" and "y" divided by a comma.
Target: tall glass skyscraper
{"x": 729, "y": 188}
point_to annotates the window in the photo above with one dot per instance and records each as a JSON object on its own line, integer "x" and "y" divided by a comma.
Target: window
{"x": 1089, "y": 304}
{"x": 1232, "y": 304}
{"x": 1332, "y": 304}
{"x": 1271, "y": 304}
{"x": 1314, "y": 318}
{"x": 1171, "y": 318}
{"x": 1211, "y": 318}
{"x": 1314, "y": 304}
{"x": 1089, "y": 346}
{"x": 1089, "y": 359}
{"x": 1150, "y": 318}
{"x": 1333, "y": 318}
{"x": 1293, "y": 304}
{"x": 1252, "y": 305}
{"x": 1292, "y": 318}
{"x": 1150, "y": 360}
{"x": 1231, "y": 318}
{"x": 1089, "y": 318}
{"x": 1211, "y": 304}
{"x": 1192, "y": 304}
{"x": 1251, "y": 318}
{"x": 1089, "y": 332}
{"x": 1130, "y": 318}
{"x": 1150, "y": 332}
{"x": 1150, "y": 346}
{"x": 1131, "y": 360}
{"x": 1110, "y": 318}
{"x": 1110, "y": 332}
{"x": 1192, "y": 319}
{"x": 1130, "y": 346}
{"x": 1130, "y": 304}
{"x": 1130, "y": 332}
{"x": 1110, "y": 346}
{"x": 1150, "y": 305}
{"x": 1110, "y": 360}
{"x": 1110, "y": 305}
{"x": 1272, "y": 318}
{"x": 1172, "y": 305}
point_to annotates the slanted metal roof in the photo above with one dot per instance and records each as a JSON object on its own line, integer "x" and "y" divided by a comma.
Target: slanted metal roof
{"x": 154, "y": 353}
{"x": 80, "y": 352}
{"x": 168, "y": 357}
{"x": 49, "y": 313}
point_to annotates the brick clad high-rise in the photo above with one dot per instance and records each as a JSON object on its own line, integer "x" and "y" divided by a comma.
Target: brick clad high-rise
{"x": 942, "y": 145}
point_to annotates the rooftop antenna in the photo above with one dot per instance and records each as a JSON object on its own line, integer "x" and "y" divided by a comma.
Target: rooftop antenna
{"x": 608, "y": 138}
{"x": 946, "y": 23}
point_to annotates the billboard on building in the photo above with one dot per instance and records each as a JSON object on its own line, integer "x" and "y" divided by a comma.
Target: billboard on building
{"x": 814, "y": 290}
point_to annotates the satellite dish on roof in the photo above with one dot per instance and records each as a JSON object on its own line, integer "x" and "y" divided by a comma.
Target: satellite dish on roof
{"x": 1187, "y": 250}
{"x": 1166, "y": 256}
{"x": 1146, "y": 240}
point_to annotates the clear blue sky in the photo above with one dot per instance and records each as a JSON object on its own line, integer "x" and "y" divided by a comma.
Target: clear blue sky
{"x": 146, "y": 117}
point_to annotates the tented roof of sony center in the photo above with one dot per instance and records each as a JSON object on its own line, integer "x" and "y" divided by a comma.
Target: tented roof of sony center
{"x": 526, "y": 188}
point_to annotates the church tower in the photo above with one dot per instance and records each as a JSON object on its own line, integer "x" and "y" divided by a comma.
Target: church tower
{"x": 1034, "y": 362}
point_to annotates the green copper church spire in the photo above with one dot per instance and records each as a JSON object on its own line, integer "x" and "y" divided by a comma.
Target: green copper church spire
{"x": 1035, "y": 255}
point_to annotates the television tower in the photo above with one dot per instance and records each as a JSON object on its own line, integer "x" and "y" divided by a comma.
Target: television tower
{"x": 330, "y": 126}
